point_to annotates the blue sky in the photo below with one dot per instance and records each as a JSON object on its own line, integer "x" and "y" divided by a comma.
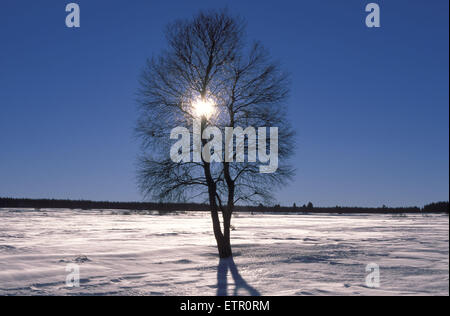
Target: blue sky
{"x": 370, "y": 106}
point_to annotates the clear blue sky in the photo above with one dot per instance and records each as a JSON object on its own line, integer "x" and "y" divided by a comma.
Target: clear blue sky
{"x": 370, "y": 106}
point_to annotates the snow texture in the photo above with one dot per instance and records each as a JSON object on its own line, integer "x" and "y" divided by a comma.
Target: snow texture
{"x": 129, "y": 253}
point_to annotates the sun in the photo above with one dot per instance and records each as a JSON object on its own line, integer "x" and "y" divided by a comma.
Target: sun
{"x": 204, "y": 107}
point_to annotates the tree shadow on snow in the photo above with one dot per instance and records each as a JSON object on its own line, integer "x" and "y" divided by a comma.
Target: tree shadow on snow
{"x": 239, "y": 282}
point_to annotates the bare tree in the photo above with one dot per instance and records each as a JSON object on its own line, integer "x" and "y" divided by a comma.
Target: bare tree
{"x": 207, "y": 58}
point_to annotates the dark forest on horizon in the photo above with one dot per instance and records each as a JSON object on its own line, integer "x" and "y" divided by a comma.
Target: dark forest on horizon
{"x": 438, "y": 207}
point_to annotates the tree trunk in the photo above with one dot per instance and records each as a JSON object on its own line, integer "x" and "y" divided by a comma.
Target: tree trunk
{"x": 224, "y": 247}
{"x": 228, "y": 211}
{"x": 223, "y": 240}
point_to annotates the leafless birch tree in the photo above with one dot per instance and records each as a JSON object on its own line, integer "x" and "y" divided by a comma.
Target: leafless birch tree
{"x": 207, "y": 58}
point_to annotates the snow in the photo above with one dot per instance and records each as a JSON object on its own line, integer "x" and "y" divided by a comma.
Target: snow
{"x": 125, "y": 253}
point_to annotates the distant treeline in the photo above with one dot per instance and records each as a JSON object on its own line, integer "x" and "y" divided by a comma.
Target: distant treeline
{"x": 436, "y": 207}
{"x": 440, "y": 207}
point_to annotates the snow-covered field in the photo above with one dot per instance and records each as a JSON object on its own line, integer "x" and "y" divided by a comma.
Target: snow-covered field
{"x": 122, "y": 253}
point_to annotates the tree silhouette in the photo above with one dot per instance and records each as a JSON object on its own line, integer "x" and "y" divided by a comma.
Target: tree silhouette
{"x": 207, "y": 58}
